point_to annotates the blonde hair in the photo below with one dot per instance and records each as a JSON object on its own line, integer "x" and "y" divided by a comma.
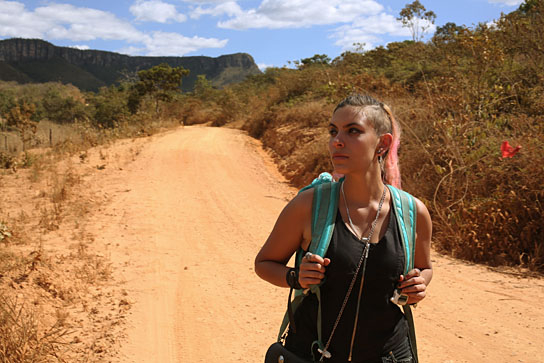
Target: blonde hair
{"x": 382, "y": 119}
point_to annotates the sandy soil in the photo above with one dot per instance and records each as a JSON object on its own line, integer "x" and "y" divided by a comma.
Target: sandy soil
{"x": 186, "y": 213}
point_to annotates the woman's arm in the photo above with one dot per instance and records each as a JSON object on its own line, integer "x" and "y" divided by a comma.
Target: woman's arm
{"x": 415, "y": 283}
{"x": 291, "y": 231}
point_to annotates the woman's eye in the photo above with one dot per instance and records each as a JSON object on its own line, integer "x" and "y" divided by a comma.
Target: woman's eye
{"x": 332, "y": 132}
{"x": 354, "y": 130}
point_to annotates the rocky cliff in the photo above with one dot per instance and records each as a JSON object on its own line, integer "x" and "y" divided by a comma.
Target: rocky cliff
{"x": 35, "y": 60}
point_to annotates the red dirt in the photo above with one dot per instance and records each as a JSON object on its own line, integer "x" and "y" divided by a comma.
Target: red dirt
{"x": 183, "y": 223}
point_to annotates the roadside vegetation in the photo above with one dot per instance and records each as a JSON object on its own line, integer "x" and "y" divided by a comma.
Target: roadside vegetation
{"x": 458, "y": 97}
{"x": 465, "y": 100}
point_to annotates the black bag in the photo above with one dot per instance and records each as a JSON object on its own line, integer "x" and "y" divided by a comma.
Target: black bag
{"x": 277, "y": 353}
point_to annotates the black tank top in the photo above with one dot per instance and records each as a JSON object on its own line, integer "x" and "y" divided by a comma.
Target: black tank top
{"x": 381, "y": 325}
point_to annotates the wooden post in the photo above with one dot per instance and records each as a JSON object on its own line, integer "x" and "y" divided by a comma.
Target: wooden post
{"x": 6, "y": 142}
{"x": 50, "y": 138}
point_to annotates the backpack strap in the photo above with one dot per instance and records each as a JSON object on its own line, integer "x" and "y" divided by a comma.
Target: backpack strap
{"x": 324, "y": 209}
{"x": 405, "y": 207}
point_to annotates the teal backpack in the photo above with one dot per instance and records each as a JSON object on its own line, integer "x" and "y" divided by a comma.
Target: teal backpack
{"x": 324, "y": 208}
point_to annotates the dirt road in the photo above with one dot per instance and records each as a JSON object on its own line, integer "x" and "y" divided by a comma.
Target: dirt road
{"x": 184, "y": 222}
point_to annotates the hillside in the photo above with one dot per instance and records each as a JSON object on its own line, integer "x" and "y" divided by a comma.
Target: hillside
{"x": 35, "y": 60}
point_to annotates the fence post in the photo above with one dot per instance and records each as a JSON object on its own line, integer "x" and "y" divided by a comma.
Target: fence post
{"x": 50, "y": 138}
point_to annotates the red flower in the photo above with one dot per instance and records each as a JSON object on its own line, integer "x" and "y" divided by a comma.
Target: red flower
{"x": 509, "y": 151}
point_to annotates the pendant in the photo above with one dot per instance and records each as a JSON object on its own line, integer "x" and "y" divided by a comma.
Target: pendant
{"x": 325, "y": 353}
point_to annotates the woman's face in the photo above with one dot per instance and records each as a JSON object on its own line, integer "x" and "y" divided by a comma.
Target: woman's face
{"x": 353, "y": 141}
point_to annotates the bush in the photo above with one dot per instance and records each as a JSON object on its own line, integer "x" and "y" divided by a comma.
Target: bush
{"x": 110, "y": 107}
{"x": 62, "y": 109}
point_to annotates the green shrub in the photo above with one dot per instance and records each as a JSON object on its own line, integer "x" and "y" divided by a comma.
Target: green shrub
{"x": 62, "y": 109}
{"x": 110, "y": 107}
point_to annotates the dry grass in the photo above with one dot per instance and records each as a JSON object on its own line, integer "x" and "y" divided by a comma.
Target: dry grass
{"x": 297, "y": 136}
{"x": 58, "y": 296}
{"x": 484, "y": 208}
{"x": 27, "y": 334}
{"x": 11, "y": 142}
{"x": 23, "y": 337}
{"x": 43, "y": 285}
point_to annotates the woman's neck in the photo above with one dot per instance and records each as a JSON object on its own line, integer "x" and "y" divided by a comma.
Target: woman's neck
{"x": 362, "y": 189}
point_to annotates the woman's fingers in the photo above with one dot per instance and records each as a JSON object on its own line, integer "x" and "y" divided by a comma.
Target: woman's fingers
{"x": 310, "y": 278}
{"x": 413, "y": 289}
{"x": 412, "y": 278}
{"x": 312, "y": 269}
{"x": 310, "y": 257}
{"x": 413, "y": 285}
{"x": 312, "y": 266}
{"x": 413, "y": 281}
{"x": 314, "y": 262}
{"x": 413, "y": 273}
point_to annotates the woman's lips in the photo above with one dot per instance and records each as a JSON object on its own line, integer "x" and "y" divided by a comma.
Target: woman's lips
{"x": 339, "y": 156}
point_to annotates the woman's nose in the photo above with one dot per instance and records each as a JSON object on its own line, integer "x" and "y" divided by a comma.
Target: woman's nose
{"x": 337, "y": 142}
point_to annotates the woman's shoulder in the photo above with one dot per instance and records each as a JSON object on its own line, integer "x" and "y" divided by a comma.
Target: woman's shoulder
{"x": 422, "y": 210}
{"x": 424, "y": 222}
{"x": 302, "y": 202}
{"x": 293, "y": 227}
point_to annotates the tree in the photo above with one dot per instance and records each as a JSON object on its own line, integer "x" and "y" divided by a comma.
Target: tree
{"x": 203, "y": 88}
{"x": 7, "y": 101}
{"x": 529, "y": 5}
{"x": 110, "y": 106}
{"x": 321, "y": 59}
{"x": 62, "y": 109}
{"x": 160, "y": 82}
{"x": 415, "y": 17}
{"x": 447, "y": 33}
{"x": 20, "y": 117}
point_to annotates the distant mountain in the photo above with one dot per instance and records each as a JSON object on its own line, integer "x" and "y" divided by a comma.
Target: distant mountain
{"x": 35, "y": 60}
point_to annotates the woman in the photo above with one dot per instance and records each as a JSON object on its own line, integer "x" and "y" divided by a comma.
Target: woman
{"x": 363, "y": 144}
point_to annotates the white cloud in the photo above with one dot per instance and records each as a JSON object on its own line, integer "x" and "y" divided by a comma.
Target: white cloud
{"x": 347, "y": 36}
{"x": 208, "y": 1}
{"x": 15, "y": 21}
{"x": 80, "y": 47}
{"x": 132, "y": 50}
{"x": 276, "y": 14}
{"x": 156, "y": 11}
{"x": 64, "y": 21}
{"x": 263, "y": 66}
{"x": 381, "y": 24}
{"x": 358, "y": 21}
{"x": 506, "y": 2}
{"x": 173, "y": 44}
{"x": 229, "y": 8}
{"x": 367, "y": 31}
{"x": 492, "y": 24}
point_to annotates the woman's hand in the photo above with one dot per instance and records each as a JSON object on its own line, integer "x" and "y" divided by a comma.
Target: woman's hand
{"x": 312, "y": 270}
{"x": 414, "y": 285}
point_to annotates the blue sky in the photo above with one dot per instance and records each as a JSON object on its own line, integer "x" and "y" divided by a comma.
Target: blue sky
{"x": 274, "y": 32}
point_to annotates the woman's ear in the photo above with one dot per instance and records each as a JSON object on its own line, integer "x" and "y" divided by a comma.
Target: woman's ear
{"x": 384, "y": 144}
